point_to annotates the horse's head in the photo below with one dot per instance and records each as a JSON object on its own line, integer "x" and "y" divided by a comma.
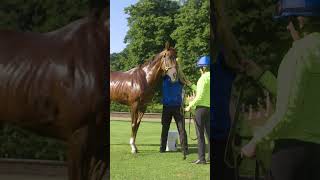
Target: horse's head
{"x": 169, "y": 63}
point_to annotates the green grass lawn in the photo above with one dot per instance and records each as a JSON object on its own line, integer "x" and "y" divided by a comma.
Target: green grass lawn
{"x": 149, "y": 164}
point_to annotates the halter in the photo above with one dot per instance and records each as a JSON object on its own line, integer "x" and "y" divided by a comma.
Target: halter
{"x": 167, "y": 67}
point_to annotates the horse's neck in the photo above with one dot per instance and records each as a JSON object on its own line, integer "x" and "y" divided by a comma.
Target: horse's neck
{"x": 153, "y": 74}
{"x": 82, "y": 27}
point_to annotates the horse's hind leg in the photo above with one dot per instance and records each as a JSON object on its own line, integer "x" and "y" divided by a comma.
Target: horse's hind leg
{"x": 77, "y": 162}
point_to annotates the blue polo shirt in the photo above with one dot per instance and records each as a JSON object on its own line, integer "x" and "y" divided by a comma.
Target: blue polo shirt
{"x": 221, "y": 93}
{"x": 171, "y": 92}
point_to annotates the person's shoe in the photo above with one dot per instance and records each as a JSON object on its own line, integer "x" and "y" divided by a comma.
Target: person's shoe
{"x": 185, "y": 152}
{"x": 162, "y": 150}
{"x": 198, "y": 162}
{"x": 185, "y": 155}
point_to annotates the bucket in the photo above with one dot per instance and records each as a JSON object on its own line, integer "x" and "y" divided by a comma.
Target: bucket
{"x": 172, "y": 141}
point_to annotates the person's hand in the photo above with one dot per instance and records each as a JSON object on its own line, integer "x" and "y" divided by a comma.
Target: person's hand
{"x": 188, "y": 83}
{"x": 191, "y": 97}
{"x": 187, "y": 109}
{"x": 251, "y": 68}
{"x": 249, "y": 150}
{"x": 294, "y": 33}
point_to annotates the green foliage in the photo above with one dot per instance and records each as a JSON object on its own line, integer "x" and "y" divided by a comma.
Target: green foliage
{"x": 192, "y": 35}
{"x": 154, "y": 22}
{"x": 150, "y": 25}
{"x": 36, "y": 16}
{"x": 262, "y": 39}
{"x": 18, "y": 143}
{"x": 40, "y": 16}
{"x": 152, "y": 108}
{"x": 119, "y": 107}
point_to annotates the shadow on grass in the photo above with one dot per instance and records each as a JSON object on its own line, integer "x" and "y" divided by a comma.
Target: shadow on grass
{"x": 124, "y": 144}
{"x": 193, "y": 149}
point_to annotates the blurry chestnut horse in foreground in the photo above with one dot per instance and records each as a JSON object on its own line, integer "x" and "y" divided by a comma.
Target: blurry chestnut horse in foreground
{"x": 137, "y": 86}
{"x": 53, "y": 84}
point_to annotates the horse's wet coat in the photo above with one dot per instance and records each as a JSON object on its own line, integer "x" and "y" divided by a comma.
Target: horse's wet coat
{"x": 137, "y": 86}
{"x": 52, "y": 83}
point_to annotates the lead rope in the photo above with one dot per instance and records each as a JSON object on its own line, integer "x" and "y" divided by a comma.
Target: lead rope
{"x": 190, "y": 118}
{"x": 231, "y": 139}
{"x": 230, "y": 142}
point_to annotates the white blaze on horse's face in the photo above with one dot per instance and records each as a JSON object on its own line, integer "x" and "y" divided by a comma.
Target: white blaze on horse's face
{"x": 172, "y": 73}
{"x": 169, "y": 65}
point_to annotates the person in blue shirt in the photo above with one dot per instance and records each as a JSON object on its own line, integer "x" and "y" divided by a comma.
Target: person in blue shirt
{"x": 172, "y": 107}
{"x": 221, "y": 122}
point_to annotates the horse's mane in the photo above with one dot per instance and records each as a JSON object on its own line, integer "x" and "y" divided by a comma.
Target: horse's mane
{"x": 150, "y": 60}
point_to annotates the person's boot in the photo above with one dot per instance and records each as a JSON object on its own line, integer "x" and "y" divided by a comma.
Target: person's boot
{"x": 162, "y": 150}
{"x": 185, "y": 151}
{"x": 162, "y": 146}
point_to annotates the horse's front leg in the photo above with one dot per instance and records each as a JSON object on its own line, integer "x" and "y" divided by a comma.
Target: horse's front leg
{"x": 134, "y": 120}
{"x": 135, "y": 126}
{"x": 77, "y": 162}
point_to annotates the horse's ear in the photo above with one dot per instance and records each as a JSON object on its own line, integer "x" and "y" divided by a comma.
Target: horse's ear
{"x": 167, "y": 46}
{"x": 99, "y": 8}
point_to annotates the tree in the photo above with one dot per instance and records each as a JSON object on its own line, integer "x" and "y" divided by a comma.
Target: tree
{"x": 40, "y": 16}
{"x": 262, "y": 38}
{"x": 192, "y": 34}
{"x": 151, "y": 23}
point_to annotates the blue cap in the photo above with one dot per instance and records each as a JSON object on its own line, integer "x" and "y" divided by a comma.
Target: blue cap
{"x": 287, "y": 8}
{"x": 203, "y": 61}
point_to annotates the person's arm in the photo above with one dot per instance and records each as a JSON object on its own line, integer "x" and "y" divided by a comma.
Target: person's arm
{"x": 199, "y": 92}
{"x": 269, "y": 81}
{"x": 287, "y": 94}
{"x": 194, "y": 87}
{"x": 265, "y": 78}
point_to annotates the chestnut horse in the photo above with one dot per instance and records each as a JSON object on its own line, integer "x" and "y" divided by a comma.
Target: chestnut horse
{"x": 137, "y": 86}
{"x": 53, "y": 84}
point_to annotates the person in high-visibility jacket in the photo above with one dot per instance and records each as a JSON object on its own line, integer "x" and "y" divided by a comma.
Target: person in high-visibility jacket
{"x": 201, "y": 103}
{"x": 295, "y": 125}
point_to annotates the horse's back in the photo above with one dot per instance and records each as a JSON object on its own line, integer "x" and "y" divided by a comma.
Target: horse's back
{"x": 44, "y": 79}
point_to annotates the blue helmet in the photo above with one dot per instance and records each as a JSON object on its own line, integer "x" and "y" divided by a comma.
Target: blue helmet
{"x": 287, "y": 8}
{"x": 204, "y": 61}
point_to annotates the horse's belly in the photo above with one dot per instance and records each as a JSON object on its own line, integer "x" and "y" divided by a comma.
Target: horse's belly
{"x": 119, "y": 97}
{"x": 51, "y": 101}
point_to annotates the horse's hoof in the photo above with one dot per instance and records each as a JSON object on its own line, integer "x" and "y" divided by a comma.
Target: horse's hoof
{"x": 134, "y": 151}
